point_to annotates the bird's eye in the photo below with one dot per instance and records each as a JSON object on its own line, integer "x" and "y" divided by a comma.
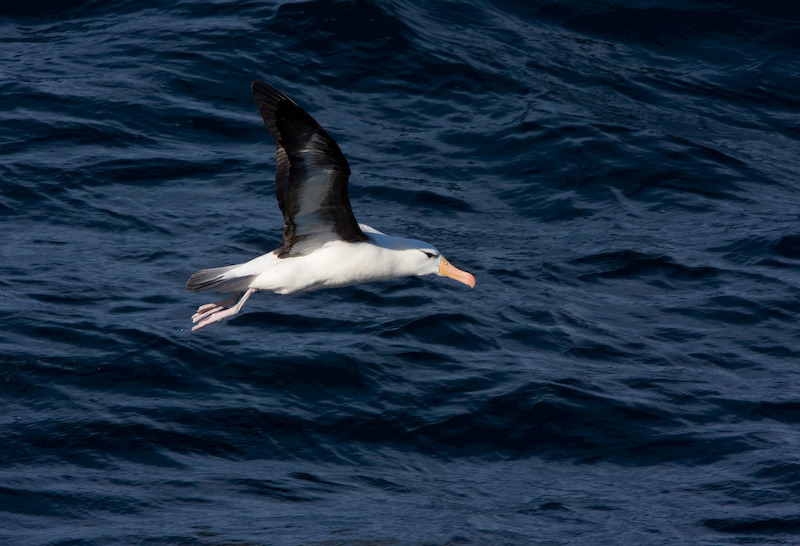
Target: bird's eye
{"x": 429, "y": 254}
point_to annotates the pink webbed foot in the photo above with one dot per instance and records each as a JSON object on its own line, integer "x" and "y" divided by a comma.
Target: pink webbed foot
{"x": 208, "y": 308}
{"x": 215, "y": 312}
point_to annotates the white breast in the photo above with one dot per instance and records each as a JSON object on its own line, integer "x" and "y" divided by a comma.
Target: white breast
{"x": 335, "y": 264}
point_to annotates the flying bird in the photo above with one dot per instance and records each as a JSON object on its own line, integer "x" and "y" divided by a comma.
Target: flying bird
{"x": 323, "y": 244}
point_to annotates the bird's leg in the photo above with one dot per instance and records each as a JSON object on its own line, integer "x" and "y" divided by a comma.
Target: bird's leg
{"x": 205, "y": 310}
{"x": 210, "y": 315}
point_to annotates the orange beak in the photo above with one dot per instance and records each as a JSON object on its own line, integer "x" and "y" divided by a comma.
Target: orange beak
{"x": 448, "y": 270}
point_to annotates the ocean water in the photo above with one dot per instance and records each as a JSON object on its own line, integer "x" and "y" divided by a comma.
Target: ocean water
{"x": 623, "y": 180}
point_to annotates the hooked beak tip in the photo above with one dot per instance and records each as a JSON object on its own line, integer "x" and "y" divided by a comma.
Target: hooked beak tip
{"x": 449, "y": 270}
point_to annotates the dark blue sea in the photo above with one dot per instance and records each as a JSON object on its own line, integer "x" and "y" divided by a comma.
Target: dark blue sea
{"x": 622, "y": 178}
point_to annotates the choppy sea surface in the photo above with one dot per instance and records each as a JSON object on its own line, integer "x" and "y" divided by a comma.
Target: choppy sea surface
{"x": 623, "y": 179}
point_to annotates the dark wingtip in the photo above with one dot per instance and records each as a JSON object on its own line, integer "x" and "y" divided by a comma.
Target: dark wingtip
{"x": 264, "y": 93}
{"x": 267, "y": 99}
{"x": 259, "y": 87}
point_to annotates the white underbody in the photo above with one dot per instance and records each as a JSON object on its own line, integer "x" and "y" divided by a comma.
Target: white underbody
{"x": 338, "y": 263}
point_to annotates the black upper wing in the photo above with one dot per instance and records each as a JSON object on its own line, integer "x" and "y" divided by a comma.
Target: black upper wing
{"x": 310, "y": 176}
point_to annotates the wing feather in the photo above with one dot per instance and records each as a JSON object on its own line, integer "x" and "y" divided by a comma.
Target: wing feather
{"x": 311, "y": 176}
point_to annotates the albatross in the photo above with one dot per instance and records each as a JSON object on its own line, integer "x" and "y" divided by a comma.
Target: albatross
{"x": 323, "y": 244}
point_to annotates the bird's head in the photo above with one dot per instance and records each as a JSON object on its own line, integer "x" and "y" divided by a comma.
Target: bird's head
{"x": 416, "y": 258}
{"x": 426, "y": 260}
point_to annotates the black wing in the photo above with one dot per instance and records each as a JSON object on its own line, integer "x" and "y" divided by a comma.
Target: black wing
{"x": 310, "y": 176}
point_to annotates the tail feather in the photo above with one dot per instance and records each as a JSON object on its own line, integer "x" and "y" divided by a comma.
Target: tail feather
{"x": 217, "y": 279}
